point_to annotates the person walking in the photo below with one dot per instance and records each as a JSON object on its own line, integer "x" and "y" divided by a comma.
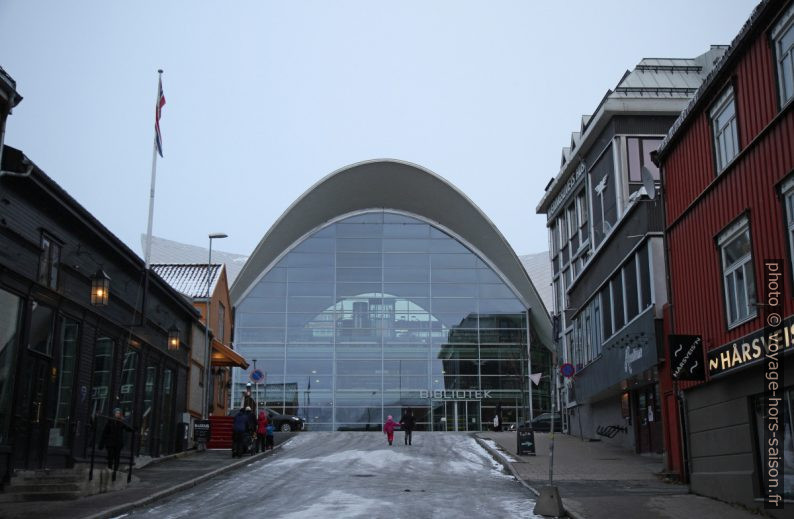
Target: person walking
{"x": 408, "y": 422}
{"x": 261, "y": 432}
{"x": 389, "y": 428}
{"x": 113, "y": 439}
{"x": 269, "y": 438}
{"x": 496, "y": 423}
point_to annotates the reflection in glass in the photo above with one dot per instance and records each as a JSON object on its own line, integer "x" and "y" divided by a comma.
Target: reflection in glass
{"x": 100, "y": 382}
{"x": 358, "y": 320}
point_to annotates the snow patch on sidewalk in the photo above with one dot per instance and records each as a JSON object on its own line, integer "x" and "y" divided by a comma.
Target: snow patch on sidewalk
{"x": 340, "y": 504}
{"x": 520, "y": 508}
{"x": 492, "y": 444}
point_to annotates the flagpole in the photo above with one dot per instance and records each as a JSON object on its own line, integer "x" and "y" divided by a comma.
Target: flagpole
{"x": 154, "y": 175}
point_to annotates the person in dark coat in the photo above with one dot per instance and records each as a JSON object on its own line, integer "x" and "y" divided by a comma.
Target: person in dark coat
{"x": 408, "y": 422}
{"x": 113, "y": 439}
{"x": 240, "y": 428}
{"x": 248, "y": 400}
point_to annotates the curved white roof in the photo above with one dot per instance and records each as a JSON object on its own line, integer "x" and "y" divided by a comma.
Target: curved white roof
{"x": 393, "y": 185}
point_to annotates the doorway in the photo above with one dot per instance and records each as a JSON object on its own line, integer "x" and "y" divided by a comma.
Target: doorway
{"x": 456, "y": 415}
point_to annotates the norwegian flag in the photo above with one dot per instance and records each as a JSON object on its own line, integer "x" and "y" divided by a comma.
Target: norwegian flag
{"x": 158, "y": 138}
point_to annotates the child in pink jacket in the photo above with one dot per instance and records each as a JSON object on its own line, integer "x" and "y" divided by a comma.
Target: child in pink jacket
{"x": 389, "y": 428}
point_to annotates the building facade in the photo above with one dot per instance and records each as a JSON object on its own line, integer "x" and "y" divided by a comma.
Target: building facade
{"x": 728, "y": 170}
{"x": 191, "y": 280}
{"x": 384, "y": 289}
{"x": 70, "y": 354}
{"x": 605, "y": 240}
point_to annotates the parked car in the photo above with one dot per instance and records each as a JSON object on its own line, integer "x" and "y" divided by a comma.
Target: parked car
{"x": 542, "y": 423}
{"x": 284, "y": 422}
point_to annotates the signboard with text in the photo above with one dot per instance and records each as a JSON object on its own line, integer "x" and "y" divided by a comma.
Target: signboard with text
{"x": 686, "y": 357}
{"x": 751, "y": 349}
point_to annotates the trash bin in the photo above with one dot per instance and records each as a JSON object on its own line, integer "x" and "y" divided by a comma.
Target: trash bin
{"x": 181, "y": 436}
{"x": 525, "y": 441}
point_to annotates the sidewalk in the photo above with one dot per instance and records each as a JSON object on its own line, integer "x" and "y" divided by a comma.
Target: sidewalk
{"x": 600, "y": 481}
{"x": 155, "y": 481}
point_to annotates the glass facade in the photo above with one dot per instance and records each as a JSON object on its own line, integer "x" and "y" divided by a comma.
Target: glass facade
{"x": 377, "y": 313}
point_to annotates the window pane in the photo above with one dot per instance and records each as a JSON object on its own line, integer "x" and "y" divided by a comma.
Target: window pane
{"x": 633, "y": 145}
{"x": 41, "y": 322}
{"x": 100, "y": 381}
{"x": 630, "y": 278}
{"x": 736, "y": 249}
{"x": 127, "y": 388}
{"x": 10, "y": 306}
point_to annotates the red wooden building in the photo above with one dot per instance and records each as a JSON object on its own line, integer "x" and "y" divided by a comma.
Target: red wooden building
{"x": 728, "y": 185}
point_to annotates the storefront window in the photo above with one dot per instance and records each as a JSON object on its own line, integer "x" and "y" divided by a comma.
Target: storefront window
{"x": 10, "y": 310}
{"x": 127, "y": 387}
{"x": 41, "y": 331}
{"x": 148, "y": 409}
{"x": 167, "y": 416}
{"x": 786, "y": 466}
{"x": 100, "y": 383}
{"x": 59, "y": 433}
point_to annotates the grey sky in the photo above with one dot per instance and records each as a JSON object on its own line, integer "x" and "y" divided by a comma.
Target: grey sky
{"x": 266, "y": 98}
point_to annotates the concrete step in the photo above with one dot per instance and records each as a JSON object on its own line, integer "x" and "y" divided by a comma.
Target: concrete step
{"x": 44, "y": 487}
{"x": 16, "y": 497}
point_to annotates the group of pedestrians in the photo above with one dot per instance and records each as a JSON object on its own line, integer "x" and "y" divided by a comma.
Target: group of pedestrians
{"x": 407, "y": 422}
{"x": 251, "y": 435}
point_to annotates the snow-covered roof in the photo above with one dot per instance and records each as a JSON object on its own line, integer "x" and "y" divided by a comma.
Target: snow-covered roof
{"x": 173, "y": 252}
{"x": 189, "y": 279}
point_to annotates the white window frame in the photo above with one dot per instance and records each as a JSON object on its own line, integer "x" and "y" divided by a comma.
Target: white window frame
{"x": 784, "y": 58}
{"x": 736, "y": 230}
{"x": 787, "y": 192}
{"x": 726, "y": 137}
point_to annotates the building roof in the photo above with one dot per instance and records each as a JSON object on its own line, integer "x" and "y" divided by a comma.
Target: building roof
{"x": 720, "y": 70}
{"x": 538, "y": 267}
{"x": 173, "y": 252}
{"x": 13, "y": 160}
{"x": 659, "y": 86}
{"x": 402, "y": 187}
{"x": 189, "y": 279}
{"x": 8, "y": 89}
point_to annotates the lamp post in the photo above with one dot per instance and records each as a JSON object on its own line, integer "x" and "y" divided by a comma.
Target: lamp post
{"x": 212, "y": 236}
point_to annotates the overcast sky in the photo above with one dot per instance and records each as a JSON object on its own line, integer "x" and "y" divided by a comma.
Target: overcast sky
{"x": 266, "y": 98}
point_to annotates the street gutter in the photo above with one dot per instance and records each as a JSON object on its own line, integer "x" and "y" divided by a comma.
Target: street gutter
{"x": 498, "y": 456}
{"x": 126, "y": 507}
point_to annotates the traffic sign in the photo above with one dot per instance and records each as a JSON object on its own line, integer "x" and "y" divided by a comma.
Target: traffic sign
{"x": 256, "y": 376}
{"x": 567, "y": 370}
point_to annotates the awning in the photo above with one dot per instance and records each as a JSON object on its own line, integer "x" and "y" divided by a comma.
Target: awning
{"x": 223, "y": 356}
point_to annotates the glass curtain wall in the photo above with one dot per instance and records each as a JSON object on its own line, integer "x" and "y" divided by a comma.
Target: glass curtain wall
{"x": 371, "y": 315}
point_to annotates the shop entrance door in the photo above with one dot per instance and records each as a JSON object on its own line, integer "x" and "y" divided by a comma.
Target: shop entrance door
{"x": 456, "y": 415}
{"x": 31, "y": 414}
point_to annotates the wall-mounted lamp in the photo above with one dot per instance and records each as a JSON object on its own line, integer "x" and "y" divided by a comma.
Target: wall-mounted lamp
{"x": 100, "y": 288}
{"x": 173, "y": 337}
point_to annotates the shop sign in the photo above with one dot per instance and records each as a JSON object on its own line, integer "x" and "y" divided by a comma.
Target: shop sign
{"x": 751, "y": 349}
{"x": 686, "y": 357}
{"x": 572, "y": 182}
{"x": 454, "y": 394}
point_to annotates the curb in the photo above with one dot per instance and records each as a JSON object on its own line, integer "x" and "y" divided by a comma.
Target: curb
{"x": 126, "y": 507}
{"x": 509, "y": 467}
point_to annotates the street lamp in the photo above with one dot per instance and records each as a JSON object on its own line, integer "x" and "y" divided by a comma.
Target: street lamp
{"x": 212, "y": 236}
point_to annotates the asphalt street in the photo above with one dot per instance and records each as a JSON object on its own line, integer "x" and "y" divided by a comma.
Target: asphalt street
{"x": 357, "y": 474}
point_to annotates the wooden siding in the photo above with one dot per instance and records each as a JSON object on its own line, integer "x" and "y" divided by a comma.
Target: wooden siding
{"x": 699, "y": 204}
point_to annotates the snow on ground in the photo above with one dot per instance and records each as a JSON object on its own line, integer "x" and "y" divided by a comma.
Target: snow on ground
{"x": 351, "y": 474}
{"x": 492, "y": 444}
{"x": 341, "y": 504}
